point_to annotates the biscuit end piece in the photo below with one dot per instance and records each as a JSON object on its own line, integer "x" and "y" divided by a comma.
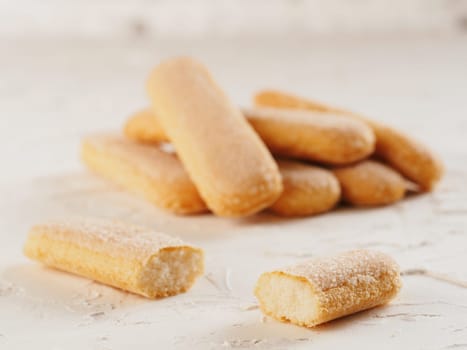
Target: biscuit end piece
{"x": 127, "y": 257}
{"x": 287, "y": 298}
{"x": 323, "y": 289}
{"x": 172, "y": 271}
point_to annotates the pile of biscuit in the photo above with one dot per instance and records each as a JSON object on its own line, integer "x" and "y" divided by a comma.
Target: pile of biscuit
{"x": 193, "y": 150}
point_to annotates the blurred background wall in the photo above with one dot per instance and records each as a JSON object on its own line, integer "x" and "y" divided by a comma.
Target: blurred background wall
{"x": 71, "y": 67}
{"x": 227, "y": 18}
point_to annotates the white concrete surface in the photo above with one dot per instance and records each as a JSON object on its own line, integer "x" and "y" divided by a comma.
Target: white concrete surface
{"x": 53, "y": 92}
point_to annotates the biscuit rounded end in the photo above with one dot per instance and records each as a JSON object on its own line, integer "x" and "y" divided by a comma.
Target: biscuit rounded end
{"x": 143, "y": 127}
{"x": 411, "y": 158}
{"x": 226, "y": 160}
{"x": 370, "y": 183}
{"x": 145, "y": 170}
{"x": 308, "y": 190}
{"x": 257, "y": 197}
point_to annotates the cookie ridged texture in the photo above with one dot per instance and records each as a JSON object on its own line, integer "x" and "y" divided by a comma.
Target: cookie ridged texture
{"x": 145, "y": 170}
{"x": 231, "y": 167}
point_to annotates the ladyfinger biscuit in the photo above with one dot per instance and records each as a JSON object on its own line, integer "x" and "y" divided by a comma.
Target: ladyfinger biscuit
{"x": 301, "y": 134}
{"x": 331, "y": 139}
{"x": 411, "y": 158}
{"x": 144, "y": 170}
{"x": 308, "y": 190}
{"x": 231, "y": 167}
{"x": 323, "y": 289}
{"x": 279, "y": 99}
{"x": 370, "y": 183}
{"x": 131, "y": 258}
{"x": 144, "y": 127}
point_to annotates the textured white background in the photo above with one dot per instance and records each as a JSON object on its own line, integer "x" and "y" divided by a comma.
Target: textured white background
{"x": 69, "y": 68}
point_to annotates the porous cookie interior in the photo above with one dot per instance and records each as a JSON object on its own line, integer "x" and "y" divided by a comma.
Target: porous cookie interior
{"x": 171, "y": 271}
{"x": 287, "y": 298}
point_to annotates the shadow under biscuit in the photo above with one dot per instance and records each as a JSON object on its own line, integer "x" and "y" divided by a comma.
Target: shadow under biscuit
{"x": 83, "y": 194}
{"x": 51, "y": 292}
{"x": 364, "y": 317}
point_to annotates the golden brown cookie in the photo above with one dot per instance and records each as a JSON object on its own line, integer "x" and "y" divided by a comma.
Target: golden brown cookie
{"x": 323, "y": 289}
{"x": 131, "y": 258}
{"x": 145, "y": 170}
{"x": 301, "y": 134}
{"x": 308, "y": 190}
{"x": 144, "y": 127}
{"x": 229, "y": 164}
{"x": 315, "y": 136}
{"x": 370, "y": 183}
{"x": 411, "y": 158}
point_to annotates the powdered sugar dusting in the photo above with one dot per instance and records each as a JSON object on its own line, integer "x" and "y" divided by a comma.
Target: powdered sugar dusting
{"x": 347, "y": 268}
{"x": 306, "y": 117}
{"x": 113, "y": 237}
{"x": 142, "y": 156}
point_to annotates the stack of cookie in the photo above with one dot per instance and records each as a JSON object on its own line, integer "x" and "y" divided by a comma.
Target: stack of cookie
{"x": 193, "y": 150}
